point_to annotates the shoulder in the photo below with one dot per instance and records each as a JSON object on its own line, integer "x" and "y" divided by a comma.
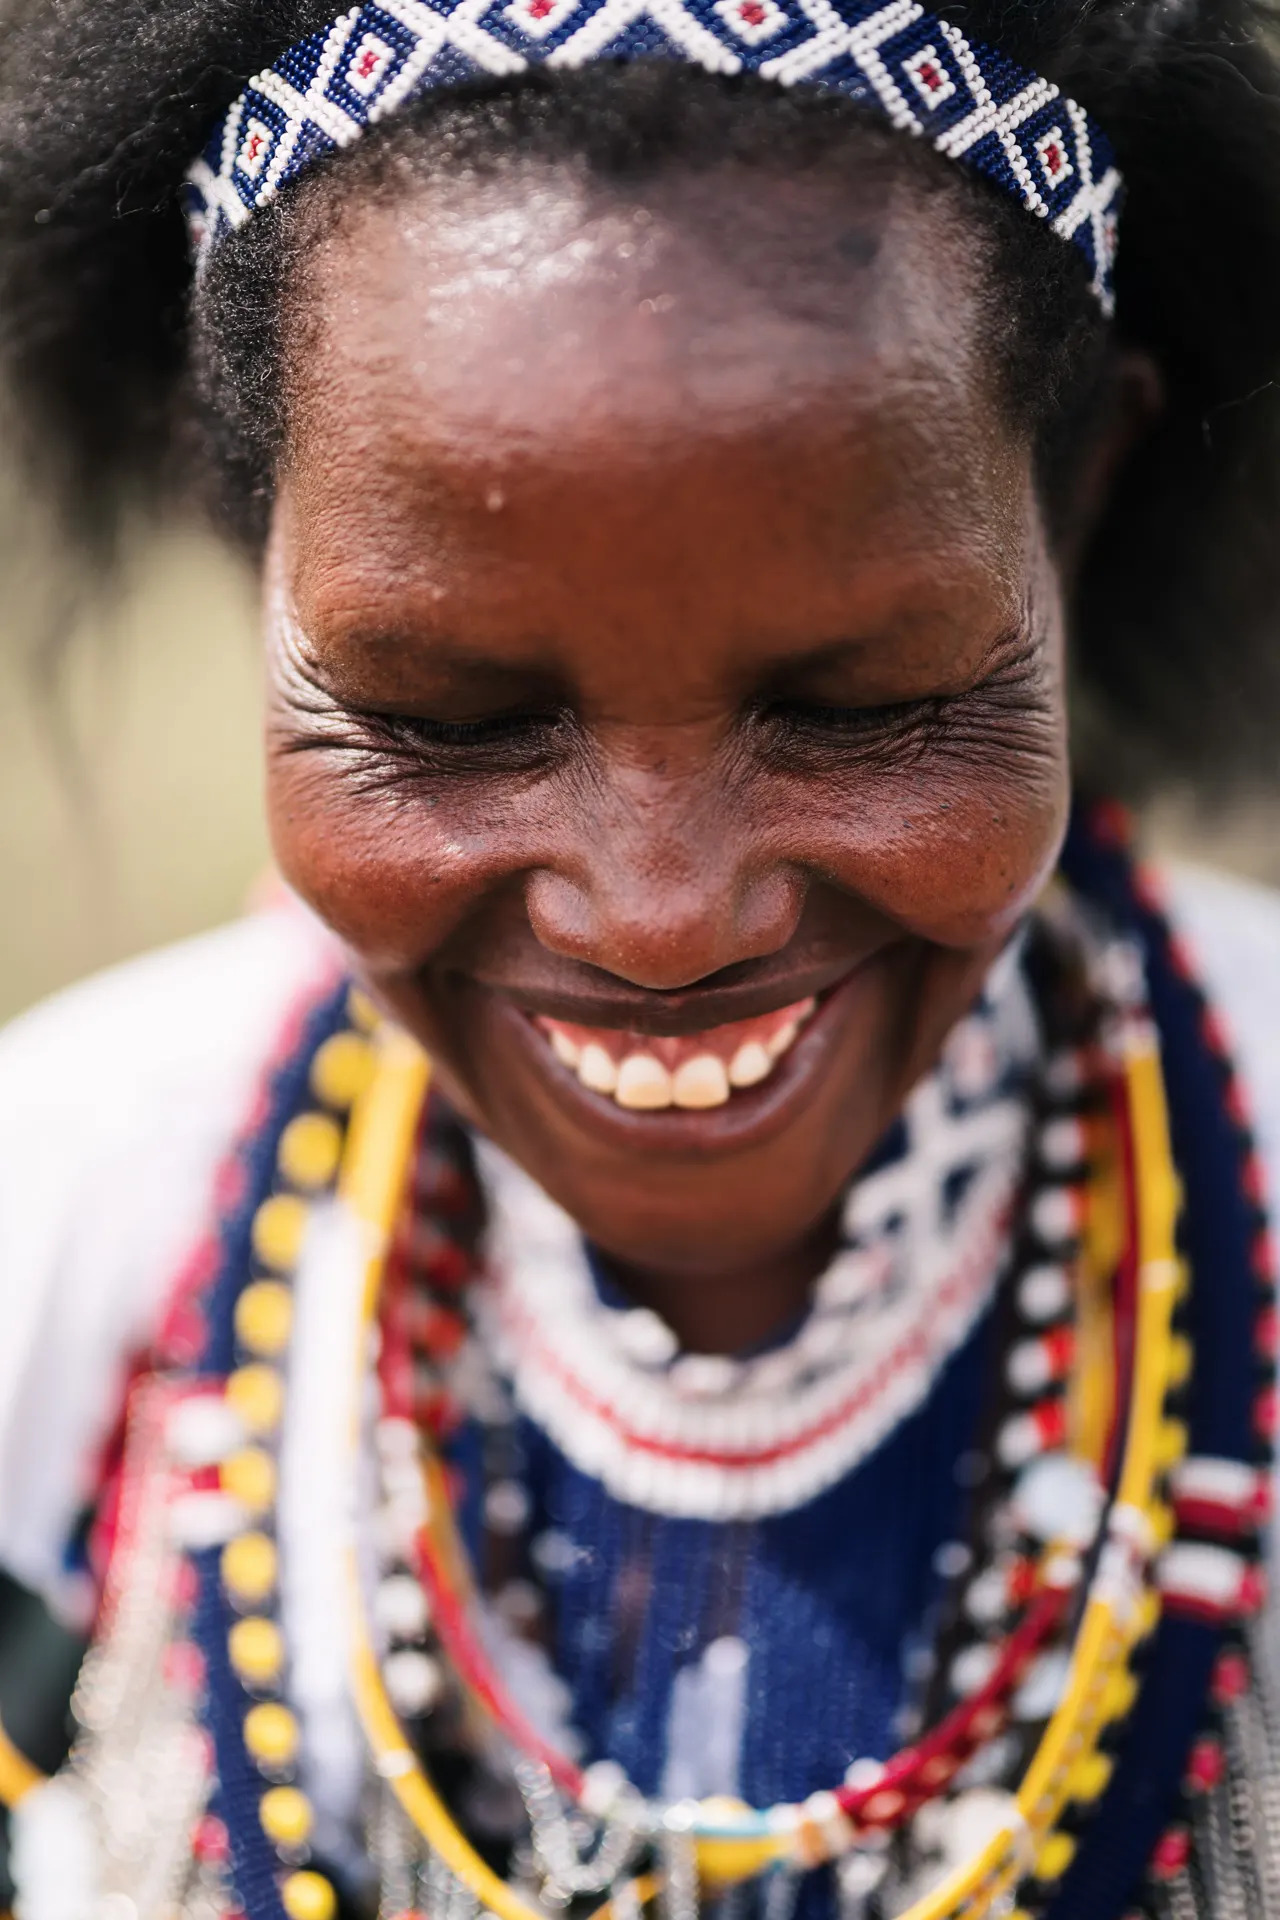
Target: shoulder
{"x": 1233, "y": 930}
{"x": 118, "y": 1100}
{"x": 200, "y": 1006}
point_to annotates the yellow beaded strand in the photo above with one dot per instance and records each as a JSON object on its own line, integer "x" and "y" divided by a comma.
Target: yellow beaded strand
{"x": 309, "y": 1156}
{"x": 18, "y": 1775}
{"x": 1099, "y": 1687}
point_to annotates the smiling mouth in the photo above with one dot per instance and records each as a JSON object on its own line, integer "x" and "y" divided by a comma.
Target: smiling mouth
{"x": 645, "y": 1073}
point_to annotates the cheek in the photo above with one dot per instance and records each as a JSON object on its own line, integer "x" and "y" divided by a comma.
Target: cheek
{"x": 954, "y": 861}
{"x": 955, "y": 842}
{"x": 951, "y": 847}
{"x": 391, "y": 877}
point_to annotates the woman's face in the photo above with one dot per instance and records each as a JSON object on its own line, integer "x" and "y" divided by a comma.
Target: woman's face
{"x": 667, "y": 672}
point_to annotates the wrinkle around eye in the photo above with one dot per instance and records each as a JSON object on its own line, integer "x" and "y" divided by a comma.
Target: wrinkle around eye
{"x": 386, "y": 752}
{"x": 820, "y": 740}
{"x": 1008, "y": 711}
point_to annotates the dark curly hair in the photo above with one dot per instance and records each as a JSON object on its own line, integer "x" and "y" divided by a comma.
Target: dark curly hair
{"x": 125, "y": 384}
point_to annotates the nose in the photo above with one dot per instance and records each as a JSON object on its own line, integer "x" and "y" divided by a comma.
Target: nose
{"x": 664, "y": 886}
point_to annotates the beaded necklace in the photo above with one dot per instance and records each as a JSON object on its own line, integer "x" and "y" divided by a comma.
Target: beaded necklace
{"x": 1114, "y": 1619}
{"x": 1042, "y": 1577}
{"x": 411, "y": 1785}
{"x": 741, "y": 1438}
{"x": 254, "y": 1838}
{"x": 1196, "y": 1757}
{"x": 371, "y": 1183}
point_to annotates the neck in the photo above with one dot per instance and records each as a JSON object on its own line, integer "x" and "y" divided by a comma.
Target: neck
{"x": 731, "y": 1312}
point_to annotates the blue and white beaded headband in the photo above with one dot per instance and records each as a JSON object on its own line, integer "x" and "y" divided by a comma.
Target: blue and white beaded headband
{"x": 917, "y": 71}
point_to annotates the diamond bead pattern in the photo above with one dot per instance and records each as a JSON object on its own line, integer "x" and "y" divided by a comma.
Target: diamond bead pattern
{"x": 917, "y": 71}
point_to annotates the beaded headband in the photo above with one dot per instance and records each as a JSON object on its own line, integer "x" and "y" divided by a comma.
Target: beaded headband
{"x": 916, "y": 71}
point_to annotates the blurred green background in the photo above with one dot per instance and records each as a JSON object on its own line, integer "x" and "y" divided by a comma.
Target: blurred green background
{"x": 129, "y": 781}
{"x": 129, "y": 788}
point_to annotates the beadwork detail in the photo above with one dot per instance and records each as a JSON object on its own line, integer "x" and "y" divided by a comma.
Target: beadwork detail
{"x": 1021, "y": 1844}
{"x": 666, "y": 1431}
{"x": 909, "y": 67}
{"x": 1174, "y": 1547}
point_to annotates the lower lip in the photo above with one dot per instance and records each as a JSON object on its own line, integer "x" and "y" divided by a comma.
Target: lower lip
{"x": 747, "y": 1118}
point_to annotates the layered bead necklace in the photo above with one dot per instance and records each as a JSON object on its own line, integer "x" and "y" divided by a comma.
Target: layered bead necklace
{"x": 1058, "y": 1591}
{"x": 1054, "y": 1522}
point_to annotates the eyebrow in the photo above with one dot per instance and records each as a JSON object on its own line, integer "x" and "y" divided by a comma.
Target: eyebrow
{"x": 461, "y": 665}
{"x": 828, "y": 653}
{"x": 451, "y": 666}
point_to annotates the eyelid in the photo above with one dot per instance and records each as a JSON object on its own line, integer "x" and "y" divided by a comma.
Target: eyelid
{"x": 503, "y": 743}
{"x": 1004, "y": 664}
{"x": 864, "y": 719}
{"x": 464, "y": 732}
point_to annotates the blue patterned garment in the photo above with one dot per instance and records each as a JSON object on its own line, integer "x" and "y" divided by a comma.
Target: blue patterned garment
{"x": 825, "y": 1622}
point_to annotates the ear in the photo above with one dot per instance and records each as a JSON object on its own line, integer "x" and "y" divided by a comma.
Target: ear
{"x": 1129, "y": 404}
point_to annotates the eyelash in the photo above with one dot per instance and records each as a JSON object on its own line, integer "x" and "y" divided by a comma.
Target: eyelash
{"x": 884, "y": 719}
{"x": 465, "y": 733}
{"x": 523, "y": 742}
{"x": 834, "y": 730}
{"x": 514, "y": 742}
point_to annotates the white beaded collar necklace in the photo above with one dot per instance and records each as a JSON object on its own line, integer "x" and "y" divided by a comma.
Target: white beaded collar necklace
{"x": 924, "y": 1242}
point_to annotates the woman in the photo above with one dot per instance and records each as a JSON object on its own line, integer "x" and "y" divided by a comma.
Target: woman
{"x": 731, "y": 1366}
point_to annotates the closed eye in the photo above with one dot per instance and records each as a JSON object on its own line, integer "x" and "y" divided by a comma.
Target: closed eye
{"x": 895, "y": 717}
{"x": 513, "y": 742}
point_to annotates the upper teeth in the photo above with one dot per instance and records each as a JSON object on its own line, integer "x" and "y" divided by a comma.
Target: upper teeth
{"x": 751, "y": 1063}
{"x": 596, "y": 1070}
{"x": 700, "y": 1082}
{"x": 642, "y": 1082}
{"x": 566, "y": 1051}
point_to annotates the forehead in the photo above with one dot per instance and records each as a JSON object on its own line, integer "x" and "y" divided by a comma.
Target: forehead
{"x": 499, "y": 382}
